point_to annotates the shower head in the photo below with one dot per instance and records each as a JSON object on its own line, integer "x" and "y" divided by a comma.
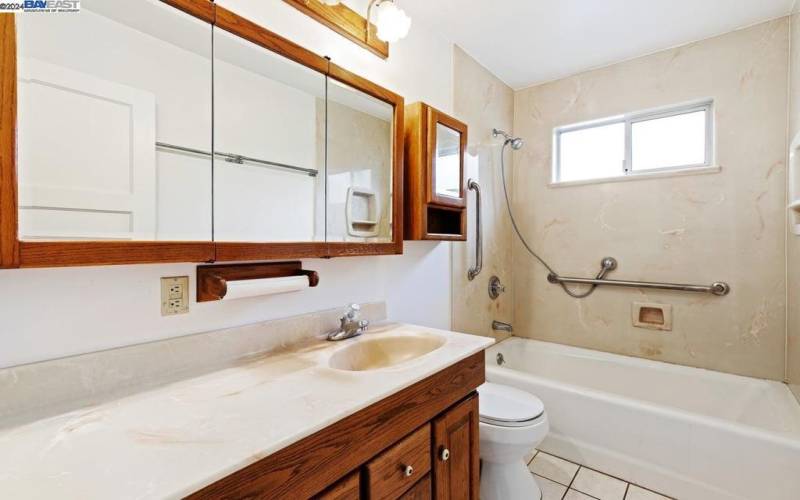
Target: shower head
{"x": 516, "y": 142}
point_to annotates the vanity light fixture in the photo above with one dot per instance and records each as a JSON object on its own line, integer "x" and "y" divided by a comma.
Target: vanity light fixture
{"x": 391, "y": 21}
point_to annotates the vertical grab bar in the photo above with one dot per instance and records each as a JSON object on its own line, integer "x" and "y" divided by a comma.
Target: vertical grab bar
{"x": 474, "y": 271}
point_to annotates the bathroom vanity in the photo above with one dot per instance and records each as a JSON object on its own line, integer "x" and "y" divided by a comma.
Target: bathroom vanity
{"x": 390, "y": 414}
{"x": 421, "y": 442}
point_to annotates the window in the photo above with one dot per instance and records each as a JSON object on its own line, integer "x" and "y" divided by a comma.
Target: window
{"x": 677, "y": 138}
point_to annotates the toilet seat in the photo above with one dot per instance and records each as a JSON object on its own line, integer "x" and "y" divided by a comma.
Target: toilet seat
{"x": 505, "y": 406}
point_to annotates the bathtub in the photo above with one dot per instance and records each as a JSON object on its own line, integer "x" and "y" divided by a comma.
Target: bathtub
{"x": 690, "y": 433}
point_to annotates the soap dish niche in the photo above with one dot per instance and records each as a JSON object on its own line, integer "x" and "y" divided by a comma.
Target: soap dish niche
{"x": 363, "y": 212}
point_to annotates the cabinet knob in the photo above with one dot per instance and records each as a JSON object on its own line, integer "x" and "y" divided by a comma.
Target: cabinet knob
{"x": 408, "y": 470}
{"x": 444, "y": 454}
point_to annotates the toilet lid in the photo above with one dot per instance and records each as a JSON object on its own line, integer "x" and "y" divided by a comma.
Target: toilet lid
{"x": 507, "y": 406}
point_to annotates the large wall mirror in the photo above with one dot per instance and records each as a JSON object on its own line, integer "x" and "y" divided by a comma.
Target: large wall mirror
{"x": 139, "y": 122}
{"x": 269, "y": 139}
{"x": 99, "y": 92}
{"x": 359, "y": 159}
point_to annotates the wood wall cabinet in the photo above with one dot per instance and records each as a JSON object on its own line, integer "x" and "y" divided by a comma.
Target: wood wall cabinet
{"x": 196, "y": 187}
{"x": 420, "y": 443}
{"x": 435, "y": 195}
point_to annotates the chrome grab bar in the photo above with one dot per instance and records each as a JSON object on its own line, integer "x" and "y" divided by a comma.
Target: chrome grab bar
{"x": 719, "y": 288}
{"x": 472, "y": 185}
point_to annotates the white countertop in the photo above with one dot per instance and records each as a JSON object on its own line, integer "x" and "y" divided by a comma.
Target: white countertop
{"x": 173, "y": 440}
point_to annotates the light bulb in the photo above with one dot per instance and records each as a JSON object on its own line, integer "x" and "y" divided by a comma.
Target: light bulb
{"x": 331, "y": 2}
{"x": 391, "y": 21}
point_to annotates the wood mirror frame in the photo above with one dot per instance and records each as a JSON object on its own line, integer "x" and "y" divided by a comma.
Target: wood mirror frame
{"x": 15, "y": 253}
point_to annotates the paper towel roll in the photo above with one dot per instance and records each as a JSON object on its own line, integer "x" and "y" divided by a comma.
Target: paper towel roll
{"x": 267, "y": 286}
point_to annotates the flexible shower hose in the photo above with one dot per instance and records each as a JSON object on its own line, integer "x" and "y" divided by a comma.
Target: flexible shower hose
{"x": 522, "y": 238}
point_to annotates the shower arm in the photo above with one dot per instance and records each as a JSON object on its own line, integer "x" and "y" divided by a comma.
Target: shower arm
{"x": 718, "y": 288}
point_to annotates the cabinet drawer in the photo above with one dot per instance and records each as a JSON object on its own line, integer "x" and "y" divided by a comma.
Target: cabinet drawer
{"x": 348, "y": 488}
{"x": 420, "y": 491}
{"x": 395, "y": 470}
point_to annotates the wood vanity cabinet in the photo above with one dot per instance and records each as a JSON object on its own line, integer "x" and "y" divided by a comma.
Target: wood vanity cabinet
{"x": 418, "y": 444}
{"x": 435, "y": 186}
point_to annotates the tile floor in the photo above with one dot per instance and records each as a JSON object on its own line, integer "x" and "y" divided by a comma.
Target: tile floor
{"x": 561, "y": 479}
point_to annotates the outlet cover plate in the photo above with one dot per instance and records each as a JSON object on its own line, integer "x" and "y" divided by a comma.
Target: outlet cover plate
{"x": 174, "y": 295}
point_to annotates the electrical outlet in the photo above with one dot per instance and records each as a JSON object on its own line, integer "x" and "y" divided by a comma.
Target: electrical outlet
{"x": 174, "y": 295}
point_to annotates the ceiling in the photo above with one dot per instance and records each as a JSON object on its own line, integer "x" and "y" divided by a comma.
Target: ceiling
{"x": 525, "y": 42}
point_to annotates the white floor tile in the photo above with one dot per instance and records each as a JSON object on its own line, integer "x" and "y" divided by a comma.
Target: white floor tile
{"x": 530, "y": 455}
{"x": 576, "y": 495}
{"x": 551, "y": 490}
{"x": 599, "y": 485}
{"x": 553, "y": 468}
{"x": 637, "y": 493}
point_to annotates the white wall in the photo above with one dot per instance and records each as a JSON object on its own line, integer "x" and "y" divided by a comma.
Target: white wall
{"x": 49, "y": 313}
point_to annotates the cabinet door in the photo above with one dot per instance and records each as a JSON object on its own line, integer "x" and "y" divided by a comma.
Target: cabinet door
{"x": 456, "y": 466}
{"x": 447, "y": 144}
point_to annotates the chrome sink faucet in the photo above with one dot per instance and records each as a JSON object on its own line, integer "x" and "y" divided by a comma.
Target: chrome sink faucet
{"x": 350, "y": 326}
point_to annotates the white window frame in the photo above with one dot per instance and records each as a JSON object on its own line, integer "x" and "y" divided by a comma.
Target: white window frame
{"x": 626, "y": 170}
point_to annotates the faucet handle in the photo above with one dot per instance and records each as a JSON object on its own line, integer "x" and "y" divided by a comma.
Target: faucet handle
{"x": 352, "y": 312}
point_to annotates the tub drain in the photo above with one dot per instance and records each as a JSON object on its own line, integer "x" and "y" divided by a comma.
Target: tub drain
{"x": 500, "y": 359}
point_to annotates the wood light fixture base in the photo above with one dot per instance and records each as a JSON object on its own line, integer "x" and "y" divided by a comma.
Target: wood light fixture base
{"x": 212, "y": 281}
{"x": 345, "y": 21}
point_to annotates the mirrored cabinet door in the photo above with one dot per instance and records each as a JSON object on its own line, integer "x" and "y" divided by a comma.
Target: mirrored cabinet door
{"x": 269, "y": 143}
{"x": 447, "y": 162}
{"x": 448, "y": 141}
{"x": 359, "y": 166}
{"x": 114, "y": 124}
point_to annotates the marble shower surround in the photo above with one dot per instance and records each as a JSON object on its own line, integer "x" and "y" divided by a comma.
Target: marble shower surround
{"x": 725, "y": 226}
{"x": 793, "y": 241}
{"x": 483, "y": 102}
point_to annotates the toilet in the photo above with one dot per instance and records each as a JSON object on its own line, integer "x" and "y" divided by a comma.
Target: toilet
{"x": 512, "y": 423}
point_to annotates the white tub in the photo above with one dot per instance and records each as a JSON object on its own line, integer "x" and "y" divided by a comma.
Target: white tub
{"x": 690, "y": 433}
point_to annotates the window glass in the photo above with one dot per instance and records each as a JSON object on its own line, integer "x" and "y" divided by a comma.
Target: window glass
{"x": 674, "y": 141}
{"x": 635, "y": 143}
{"x": 592, "y": 153}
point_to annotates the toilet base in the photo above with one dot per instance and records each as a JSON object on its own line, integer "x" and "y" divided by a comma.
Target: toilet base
{"x": 508, "y": 481}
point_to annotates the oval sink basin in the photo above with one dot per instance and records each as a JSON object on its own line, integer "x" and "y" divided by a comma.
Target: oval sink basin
{"x": 373, "y": 354}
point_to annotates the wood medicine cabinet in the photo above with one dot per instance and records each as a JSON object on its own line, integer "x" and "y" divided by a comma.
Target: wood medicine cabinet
{"x": 435, "y": 199}
{"x": 116, "y": 153}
